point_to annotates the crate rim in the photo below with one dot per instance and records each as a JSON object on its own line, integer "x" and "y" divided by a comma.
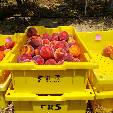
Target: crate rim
{"x": 4, "y": 86}
{"x": 33, "y": 66}
{"x": 88, "y": 94}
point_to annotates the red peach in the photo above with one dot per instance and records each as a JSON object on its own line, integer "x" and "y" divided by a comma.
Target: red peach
{"x": 45, "y": 41}
{"x": 107, "y": 51}
{"x": 46, "y": 36}
{"x": 36, "y": 51}
{"x": 2, "y": 48}
{"x": 69, "y": 58}
{"x": 31, "y": 32}
{"x": 54, "y": 37}
{"x": 63, "y": 36}
{"x": 36, "y": 41}
{"x": 46, "y": 52}
{"x": 50, "y": 62}
{"x": 9, "y": 45}
{"x": 40, "y": 47}
{"x": 61, "y": 62}
{"x": 60, "y": 54}
{"x": 24, "y": 58}
{"x": 38, "y": 59}
{"x": 1, "y": 55}
{"x": 59, "y": 44}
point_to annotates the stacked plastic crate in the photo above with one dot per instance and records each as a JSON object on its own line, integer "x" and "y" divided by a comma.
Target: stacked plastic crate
{"x": 101, "y": 79}
{"x": 5, "y": 76}
{"x": 49, "y": 88}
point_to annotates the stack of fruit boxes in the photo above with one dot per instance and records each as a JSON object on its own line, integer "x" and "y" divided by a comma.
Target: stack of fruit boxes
{"x": 49, "y": 88}
{"x": 101, "y": 79}
{"x": 8, "y": 43}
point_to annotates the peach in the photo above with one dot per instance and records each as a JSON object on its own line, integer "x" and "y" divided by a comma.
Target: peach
{"x": 2, "y": 48}
{"x": 27, "y": 49}
{"x": 24, "y": 58}
{"x": 36, "y": 41}
{"x": 107, "y": 51}
{"x": 36, "y": 51}
{"x": 38, "y": 59}
{"x": 60, "y": 54}
{"x": 54, "y": 37}
{"x": 46, "y": 36}
{"x": 75, "y": 50}
{"x": 45, "y": 41}
{"x": 1, "y": 55}
{"x": 31, "y": 32}
{"x": 51, "y": 62}
{"x": 9, "y": 45}
{"x": 63, "y": 36}
{"x": 46, "y": 52}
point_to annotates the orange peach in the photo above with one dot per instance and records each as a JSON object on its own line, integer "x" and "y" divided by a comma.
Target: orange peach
{"x": 75, "y": 50}
{"x": 1, "y": 55}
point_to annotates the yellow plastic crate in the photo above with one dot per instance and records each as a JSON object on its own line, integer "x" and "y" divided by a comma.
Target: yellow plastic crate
{"x": 4, "y": 74}
{"x": 75, "y": 102}
{"x": 3, "y": 89}
{"x": 88, "y": 39}
{"x": 48, "y": 79}
{"x": 103, "y": 102}
{"x": 2, "y": 42}
{"x": 101, "y": 78}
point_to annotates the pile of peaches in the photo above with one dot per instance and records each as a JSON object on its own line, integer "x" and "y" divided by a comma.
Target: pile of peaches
{"x": 46, "y": 49}
{"x": 9, "y": 44}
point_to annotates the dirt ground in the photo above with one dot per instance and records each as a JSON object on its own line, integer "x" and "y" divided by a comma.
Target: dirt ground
{"x": 19, "y": 24}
